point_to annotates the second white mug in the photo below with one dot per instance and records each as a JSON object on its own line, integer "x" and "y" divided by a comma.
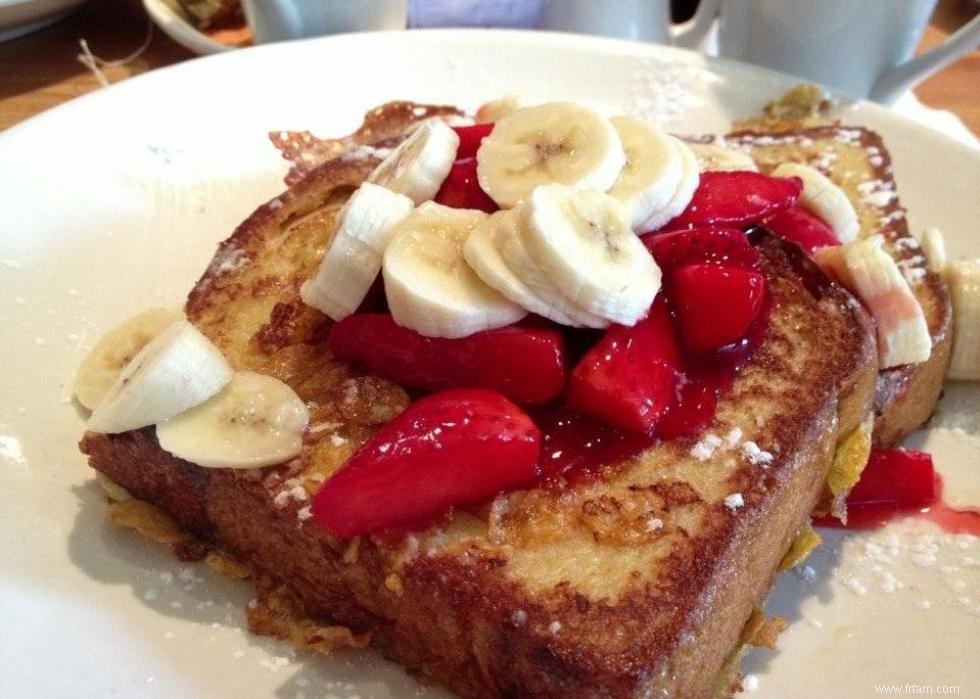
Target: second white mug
{"x": 862, "y": 48}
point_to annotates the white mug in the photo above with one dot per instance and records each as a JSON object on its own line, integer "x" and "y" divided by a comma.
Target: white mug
{"x": 861, "y": 47}
{"x": 279, "y": 20}
{"x": 645, "y": 20}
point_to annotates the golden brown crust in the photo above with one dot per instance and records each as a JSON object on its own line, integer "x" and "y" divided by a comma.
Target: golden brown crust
{"x": 604, "y": 609}
{"x": 857, "y": 160}
{"x": 382, "y": 128}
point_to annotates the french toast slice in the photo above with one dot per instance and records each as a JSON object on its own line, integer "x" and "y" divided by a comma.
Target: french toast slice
{"x": 858, "y": 162}
{"x": 638, "y": 584}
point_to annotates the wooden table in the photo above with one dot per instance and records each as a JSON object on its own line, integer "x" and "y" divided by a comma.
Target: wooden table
{"x": 40, "y": 71}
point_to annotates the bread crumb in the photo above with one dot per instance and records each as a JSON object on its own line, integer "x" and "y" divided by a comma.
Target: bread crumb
{"x": 228, "y": 566}
{"x": 147, "y": 520}
{"x": 352, "y": 551}
{"x": 394, "y": 584}
{"x": 554, "y": 627}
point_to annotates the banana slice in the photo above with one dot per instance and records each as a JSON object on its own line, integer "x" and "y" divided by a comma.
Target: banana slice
{"x": 715, "y": 158}
{"x": 482, "y": 253}
{"x": 934, "y": 246}
{"x": 495, "y": 110}
{"x": 963, "y": 277}
{"x": 418, "y": 166}
{"x": 178, "y": 369}
{"x": 652, "y": 172}
{"x": 429, "y": 286}
{"x": 114, "y": 350}
{"x": 255, "y": 421}
{"x": 690, "y": 179}
{"x": 498, "y": 255}
{"x": 583, "y": 242}
{"x": 554, "y": 142}
{"x": 824, "y": 199}
{"x": 873, "y": 276}
{"x": 353, "y": 260}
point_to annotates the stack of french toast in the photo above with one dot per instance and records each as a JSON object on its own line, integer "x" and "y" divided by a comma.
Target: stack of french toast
{"x": 639, "y": 575}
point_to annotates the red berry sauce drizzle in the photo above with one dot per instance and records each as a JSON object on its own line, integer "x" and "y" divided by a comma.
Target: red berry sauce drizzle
{"x": 900, "y": 483}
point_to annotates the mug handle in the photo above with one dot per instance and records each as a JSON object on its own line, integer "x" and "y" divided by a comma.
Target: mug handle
{"x": 690, "y": 33}
{"x": 903, "y": 76}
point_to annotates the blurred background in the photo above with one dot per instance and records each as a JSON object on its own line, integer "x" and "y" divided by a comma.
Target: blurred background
{"x": 49, "y": 65}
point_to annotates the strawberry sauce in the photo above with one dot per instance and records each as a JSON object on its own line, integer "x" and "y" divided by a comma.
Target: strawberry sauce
{"x": 899, "y": 483}
{"x": 939, "y": 513}
{"x": 575, "y": 448}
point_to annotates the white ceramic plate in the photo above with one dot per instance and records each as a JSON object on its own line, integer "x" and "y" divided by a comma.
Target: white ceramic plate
{"x": 19, "y": 17}
{"x": 114, "y": 202}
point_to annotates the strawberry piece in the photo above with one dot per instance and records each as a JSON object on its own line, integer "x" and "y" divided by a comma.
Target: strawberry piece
{"x": 799, "y": 225}
{"x": 452, "y": 448}
{"x": 629, "y": 378}
{"x": 722, "y": 246}
{"x": 525, "y": 363}
{"x": 461, "y": 190}
{"x": 896, "y": 477}
{"x": 738, "y": 198}
{"x": 715, "y": 305}
{"x": 470, "y": 138}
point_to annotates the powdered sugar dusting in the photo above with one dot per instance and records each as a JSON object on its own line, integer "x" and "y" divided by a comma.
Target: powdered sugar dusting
{"x": 913, "y": 268}
{"x": 661, "y": 90}
{"x": 895, "y": 562}
{"x": 877, "y": 192}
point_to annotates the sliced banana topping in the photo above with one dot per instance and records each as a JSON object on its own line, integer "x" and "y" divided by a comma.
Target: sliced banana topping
{"x": 482, "y": 253}
{"x": 353, "y": 260}
{"x": 934, "y": 246}
{"x": 555, "y": 142}
{"x": 873, "y": 276}
{"x": 824, "y": 199}
{"x": 715, "y": 158}
{"x": 653, "y": 169}
{"x": 418, "y": 166}
{"x": 495, "y": 110}
{"x": 255, "y": 421}
{"x": 429, "y": 286}
{"x": 585, "y": 245}
{"x": 114, "y": 350}
{"x": 690, "y": 179}
{"x": 178, "y": 369}
{"x": 963, "y": 277}
{"x": 513, "y": 248}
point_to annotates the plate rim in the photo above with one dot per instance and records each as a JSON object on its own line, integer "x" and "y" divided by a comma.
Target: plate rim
{"x": 526, "y": 37}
